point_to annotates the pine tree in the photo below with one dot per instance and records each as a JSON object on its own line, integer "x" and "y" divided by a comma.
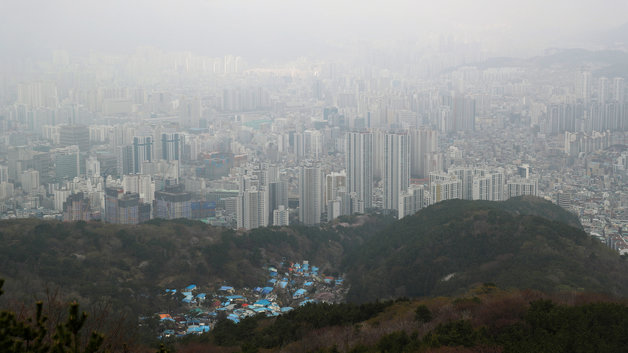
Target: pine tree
{"x": 30, "y": 336}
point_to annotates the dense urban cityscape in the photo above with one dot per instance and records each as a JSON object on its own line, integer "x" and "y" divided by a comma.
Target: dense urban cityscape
{"x": 155, "y": 134}
{"x": 324, "y": 176}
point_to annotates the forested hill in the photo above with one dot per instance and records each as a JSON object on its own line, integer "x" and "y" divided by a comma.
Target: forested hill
{"x": 444, "y": 249}
{"x": 523, "y": 242}
{"x": 486, "y": 319}
{"x": 130, "y": 264}
{"x": 450, "y": 246}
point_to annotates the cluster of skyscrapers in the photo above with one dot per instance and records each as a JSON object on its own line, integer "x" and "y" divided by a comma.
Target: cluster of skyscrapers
{"x": 199, "y": 138}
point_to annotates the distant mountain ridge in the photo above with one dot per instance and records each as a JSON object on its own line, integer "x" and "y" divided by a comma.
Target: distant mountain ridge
{"x": 607, "y": 62}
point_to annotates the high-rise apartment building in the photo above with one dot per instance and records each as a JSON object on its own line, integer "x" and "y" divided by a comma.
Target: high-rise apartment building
{"x": 142, "y": 152}
{"x": 277, "y": 196}
{"x": 619, "y": 89}
{"x": 171, "y": 146}
{"x": 252, "y": 208}
{"x": 523, "y": 171}
{"x": 602, "y": 90}
{"x": 67, "y": 164}
{"x": 142, "y": 184}
{"x": 359, "y": 165}
{"x": 378, "y": 154}
{"x": 334, "y": 208}
{"x": 124, "y": 208}
{"x": 488, "y": 186}
{"x": 310, "y": 193}
{"x": 281, "y": 216}
{"x": 76, "y": 208}
{"x": 172, "y": 203}
{"x": 396, "y": 176}
{"x": 4, "y": 173}
{"x": 92, "y": 167}
{"x": 124, "y": 160}
{"x": 335, "y": 185}
{"x": 465, "y": 175}
{"x": 583, "y": 85}
{"x": 74, "y": 135}
{"x": 37, "y": 94}
{"x": 308, "y": 144}
{"x": 30, "y": 181}
{"x": 423, "y": 142}
{"x": 441, "y": 190}
{"x": 411, "y": 201}
{"x": 519, "y": 187}
{"x": 458, "y": 113}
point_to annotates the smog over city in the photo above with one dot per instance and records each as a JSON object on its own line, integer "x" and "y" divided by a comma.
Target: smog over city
{"x": 313, "y": 176}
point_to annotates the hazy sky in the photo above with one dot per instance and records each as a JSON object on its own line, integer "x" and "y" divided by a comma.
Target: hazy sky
{"x": 292, "y": 27}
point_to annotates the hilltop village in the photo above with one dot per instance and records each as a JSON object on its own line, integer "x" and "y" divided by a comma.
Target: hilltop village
{"x": 196, "y": 308}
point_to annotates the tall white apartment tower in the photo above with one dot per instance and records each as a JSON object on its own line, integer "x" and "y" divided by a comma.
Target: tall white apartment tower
{"x": 335, "y": 183}
{"x": 442, "y": 189}
{"x": 396, "y": 176}
{"x": 519, "y": 186}
{"x": 281, "y": 216}
{"x": 488, "y": 185}
{"x": 359, "y": 165}
{"x": 411, "y": 201}
{"x": 252, "y": 208}
{"x": 423, "y": 142}
{"x": 310, "y": 193}
{"x": 583, "y": 85}
{"x": 465, "y": 175}
{"x": 602, "y": 90}
{"x": 378, "y": 154}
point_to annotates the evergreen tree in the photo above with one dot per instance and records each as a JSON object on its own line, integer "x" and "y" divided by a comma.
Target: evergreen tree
{"x": 31, "y": 336}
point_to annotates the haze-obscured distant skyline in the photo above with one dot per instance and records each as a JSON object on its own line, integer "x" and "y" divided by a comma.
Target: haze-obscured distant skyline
{"x": 278, "y": 29}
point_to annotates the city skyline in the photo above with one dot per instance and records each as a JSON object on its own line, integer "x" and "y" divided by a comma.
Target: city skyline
{"x": 395, "y": 115}
{"x": 222, "y": 168}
